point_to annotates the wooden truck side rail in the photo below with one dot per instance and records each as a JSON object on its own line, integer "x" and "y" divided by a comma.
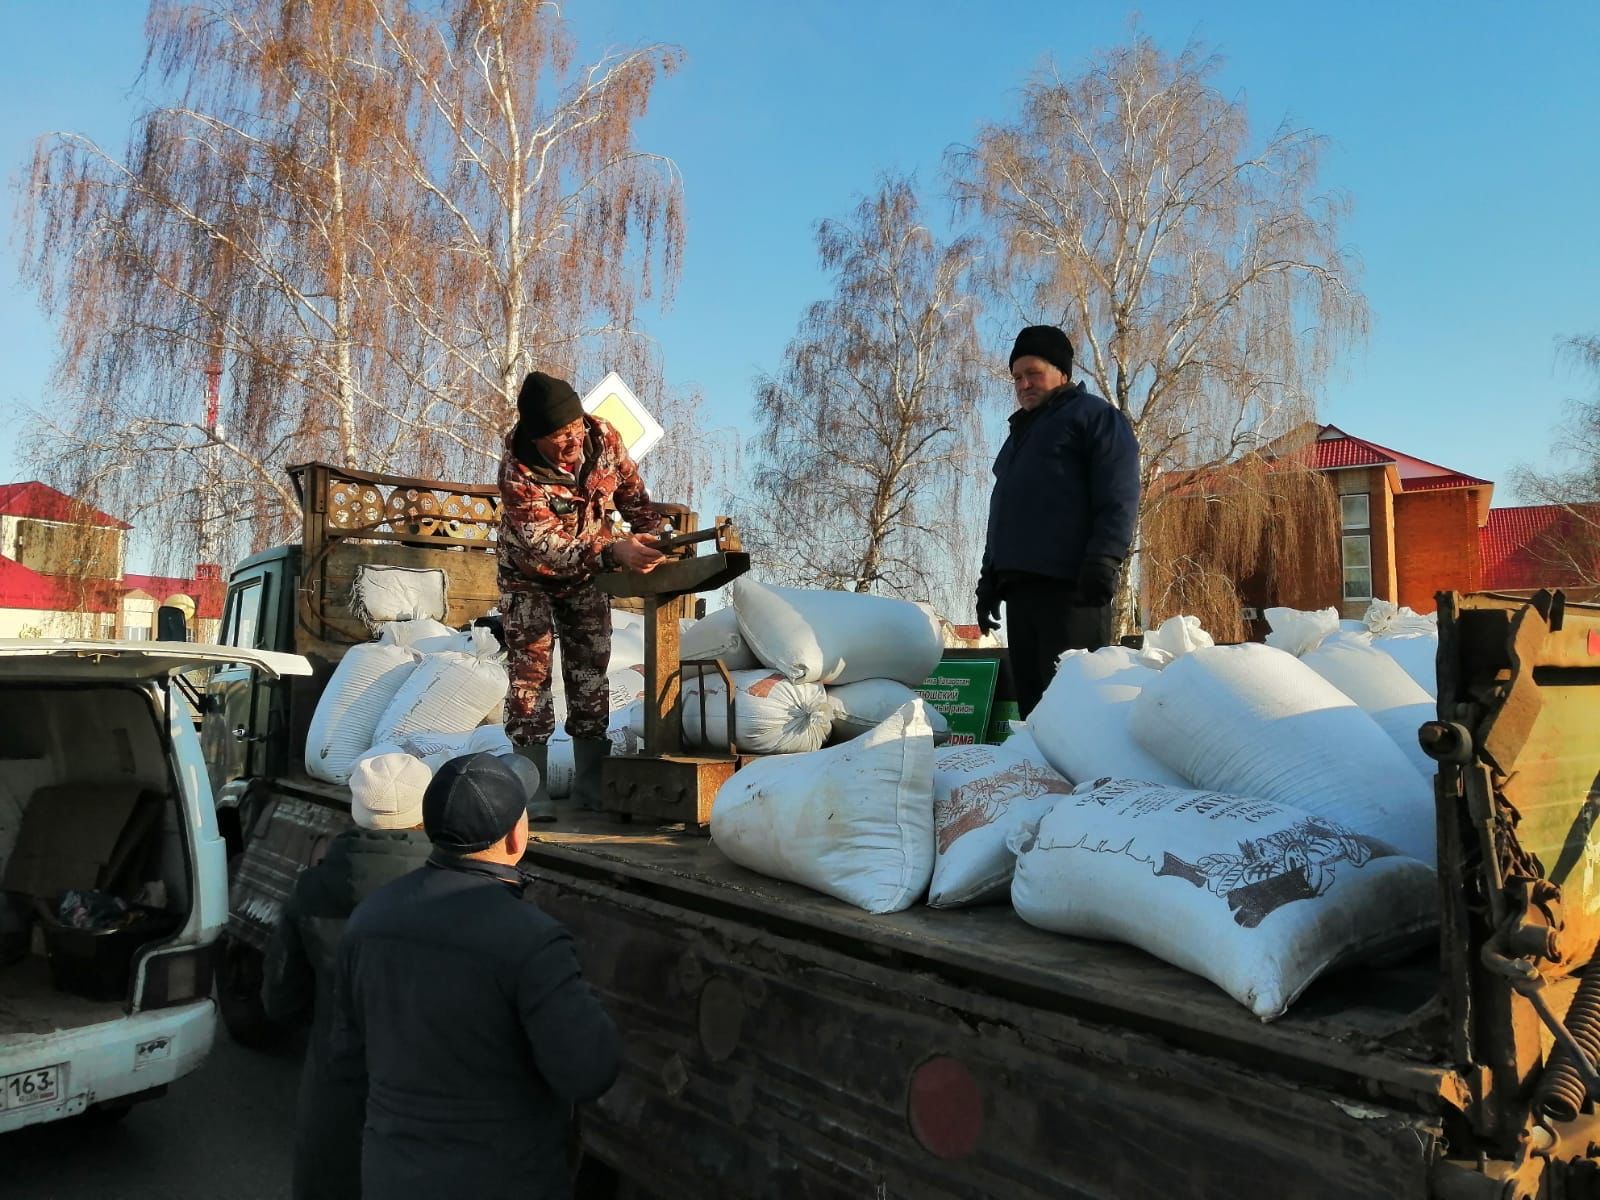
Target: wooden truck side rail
{"x": 355, "y": 518}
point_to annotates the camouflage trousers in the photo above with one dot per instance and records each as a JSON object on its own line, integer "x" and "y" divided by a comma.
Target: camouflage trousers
{"x": 535, "y": 618}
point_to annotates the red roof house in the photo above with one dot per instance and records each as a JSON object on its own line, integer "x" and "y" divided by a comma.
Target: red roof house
{"x": 1530, "y": 547}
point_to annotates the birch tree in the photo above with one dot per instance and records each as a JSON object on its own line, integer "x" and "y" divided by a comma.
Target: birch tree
{"x": 870, "y": 437}
{"x": 1571, "y": 547}
{"x": 1199, "y": 271}
{"x": 366, "y": 219}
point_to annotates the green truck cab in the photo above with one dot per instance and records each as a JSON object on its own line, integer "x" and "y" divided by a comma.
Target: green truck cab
{"x": 781, "y": 1043}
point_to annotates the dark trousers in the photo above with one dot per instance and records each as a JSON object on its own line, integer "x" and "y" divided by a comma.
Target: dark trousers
{"x": 1041, "y": 622}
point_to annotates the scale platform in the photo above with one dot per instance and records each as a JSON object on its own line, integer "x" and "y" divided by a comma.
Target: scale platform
{"x": 672, "y": 785}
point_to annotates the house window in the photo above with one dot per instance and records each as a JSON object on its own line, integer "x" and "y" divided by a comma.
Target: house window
{"x": 1357, "y": 566}
{"x": 1354, "y": 512}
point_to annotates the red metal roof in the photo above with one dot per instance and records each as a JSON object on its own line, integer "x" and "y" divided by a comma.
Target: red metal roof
{"x": 206, "y": 593}
{"x": 22, "y": 587}
{"x": 1329, "y": 454}
{"x": 42, "y": 502}
{"x": 1512, "y": 545}
{"x": 1334, "y": 449}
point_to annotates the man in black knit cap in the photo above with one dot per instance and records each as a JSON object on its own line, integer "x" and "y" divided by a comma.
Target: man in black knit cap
{"x": 562, "y": 475}
{"x": 461, "y": 1013}
{"x": 1061, "y": 516}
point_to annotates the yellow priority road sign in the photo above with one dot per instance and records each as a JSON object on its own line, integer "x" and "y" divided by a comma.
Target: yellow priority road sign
{"x": 614, "y": 403}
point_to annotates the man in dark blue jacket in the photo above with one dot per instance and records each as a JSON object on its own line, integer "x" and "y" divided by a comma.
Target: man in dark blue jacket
{"x": 466, "y": 1005}
{"x": 1061, "y": 516}
{"x": 387, "y": 843}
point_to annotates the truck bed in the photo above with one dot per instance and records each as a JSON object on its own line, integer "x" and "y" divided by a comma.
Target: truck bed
{"x": 1354, "y": 1031}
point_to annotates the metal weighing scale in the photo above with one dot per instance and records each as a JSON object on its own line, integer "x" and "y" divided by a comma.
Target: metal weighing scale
{"x": 668, "y": 784}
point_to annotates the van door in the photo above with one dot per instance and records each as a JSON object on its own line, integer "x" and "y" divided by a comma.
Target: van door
{"x": 238, "y": 705}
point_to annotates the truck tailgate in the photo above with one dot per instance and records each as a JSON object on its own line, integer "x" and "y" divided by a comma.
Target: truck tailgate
{"x": 1057, "y": 1033}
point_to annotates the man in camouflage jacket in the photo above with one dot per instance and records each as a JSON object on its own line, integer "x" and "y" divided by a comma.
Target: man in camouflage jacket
{"x": 563, "y": 474}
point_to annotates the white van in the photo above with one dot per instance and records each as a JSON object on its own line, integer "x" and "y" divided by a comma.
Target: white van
{"x": 113, "y": 879}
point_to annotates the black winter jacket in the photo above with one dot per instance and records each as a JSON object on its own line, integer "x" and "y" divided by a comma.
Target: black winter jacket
{"x": 298, "y": 978}
{"x": 1066, "y": 488}
{"x": 478, "y": 1034}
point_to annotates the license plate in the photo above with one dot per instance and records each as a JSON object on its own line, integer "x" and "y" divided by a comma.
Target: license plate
{"x": 41, "y": 1086}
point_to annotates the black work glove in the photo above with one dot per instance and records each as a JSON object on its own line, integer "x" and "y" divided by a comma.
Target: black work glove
{"x": 1097, "y": 581}
{"x": 988, "y": 606}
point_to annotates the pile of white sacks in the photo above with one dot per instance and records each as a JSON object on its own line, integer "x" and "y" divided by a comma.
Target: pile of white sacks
{"x": 809, "y": 668}
{"x": 397, "y": 708}
{"x": 1243, "y": 813}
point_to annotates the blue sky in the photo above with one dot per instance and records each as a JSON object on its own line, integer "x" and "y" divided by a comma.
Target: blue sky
{"x": 1464, "y": 132}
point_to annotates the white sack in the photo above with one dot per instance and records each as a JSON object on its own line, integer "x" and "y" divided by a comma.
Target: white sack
{"x": 854, "y": 821}
{"x": 1257, "y": 897}
{"x": 1081, "y": 723}
{"x": 627, "y": 641}
{"x": 384, "y": 593}
{"x": 836, "y": 637}
{"x": 772, "y": 715}
{"x": 490, "y": 739}
{"x": 1418, "y": 654}
{"x": 435, "y": 748}
{"x": 447, "y": 693}
{"x": 1385, "y": 620}
{"x": 1380, "y": 686}
{"x": 623, "y": 688}
{"x": 868, "y": 703}
{"x": 982, "y": 796}
{"x": 717, "y": 636}
{"x": 347, "y": 715}
{"x": 1250, "y": 720}
{"x": 424, "y": 635}
{"x": 1298, "y": 632}
{"x": 1175, "y": 637}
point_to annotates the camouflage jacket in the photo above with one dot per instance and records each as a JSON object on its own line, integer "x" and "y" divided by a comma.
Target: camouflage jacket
{"x": 553, "y": 527}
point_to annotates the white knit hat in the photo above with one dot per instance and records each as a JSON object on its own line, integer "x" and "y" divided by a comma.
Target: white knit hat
{"x": 386, "y": 787}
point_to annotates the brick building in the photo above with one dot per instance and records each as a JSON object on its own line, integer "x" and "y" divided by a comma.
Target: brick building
{"x": 1410, "y": 528}
{"x": 61, "y": 574}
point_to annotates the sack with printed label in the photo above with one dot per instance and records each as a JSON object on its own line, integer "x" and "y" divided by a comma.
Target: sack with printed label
{"x": 1081, "y": 722}
{"x": 820, "y": 636}
{"x": 1249, "y": 720}
{"x": 772, "y": 715}
{"x": 1259, "y": 898}
{"x": 982, "y": 795}
{"x": 868, "y": 703}
{"x": 854, "y": 821}
{"x": 346, "y": 719}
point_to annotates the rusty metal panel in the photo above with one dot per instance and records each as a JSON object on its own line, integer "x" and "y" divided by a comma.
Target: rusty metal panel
{"x": 664, "y": 787}
{"x": 288, "y": 835}
{"x": 1531, "y": 690}
{"x": 778, "y": 1068}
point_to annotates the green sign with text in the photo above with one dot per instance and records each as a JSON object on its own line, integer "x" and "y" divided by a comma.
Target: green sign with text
{"x": 963, "y": 691}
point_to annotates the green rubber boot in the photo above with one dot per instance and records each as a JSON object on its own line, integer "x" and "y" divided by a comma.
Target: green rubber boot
{"x": 540, "y": 806}
{"x": 587, "y": 756}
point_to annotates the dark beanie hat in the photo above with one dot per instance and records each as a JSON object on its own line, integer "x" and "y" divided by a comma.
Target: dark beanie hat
{"x": 546, "y": 403}
{"x": 1046, "y": 342}
{"x": 472, "y": 803}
